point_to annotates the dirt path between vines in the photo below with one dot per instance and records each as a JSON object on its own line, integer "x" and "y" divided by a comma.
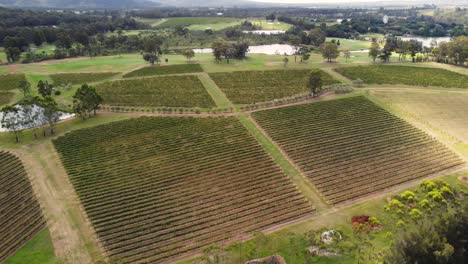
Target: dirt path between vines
{"x": 72, "y": 235}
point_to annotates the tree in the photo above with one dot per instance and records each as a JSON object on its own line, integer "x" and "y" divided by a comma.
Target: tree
{"x": 86, "y": 101}
{"x": 24, "y": 87}
{"x": 13, "y": 54}
{"x": 152, "y": 49}
{"x": 285, "y": 62}
{"x": 50, "y": 111}
{"x": 315, "y": 82}
{"x": 304, "y": 52}
{"x": 188, "y": 53}
{"x": 44, "y": 88}
{"x": 329, "y": 51}
{"x": 374, "y": 50}
{"x": 12, "y": 121}
{"x": 240, "y": 50}
{"x": 347, "y": 55}
{"x": 295, "y": 42}
{"x": 316, "y": 37}
{"x": 30, "y": 113}
{"x": 458, "y": 50}
{"x": 220, "y": 48}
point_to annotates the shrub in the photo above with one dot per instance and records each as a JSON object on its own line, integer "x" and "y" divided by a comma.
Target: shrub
{"x": 415, "y": 213}
{"x": 408, "y": 196}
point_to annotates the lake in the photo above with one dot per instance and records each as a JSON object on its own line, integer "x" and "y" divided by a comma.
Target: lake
{"x": 264, "y": 32}
{"x": 427, "y": 40}
{"x": 274, "y": 49}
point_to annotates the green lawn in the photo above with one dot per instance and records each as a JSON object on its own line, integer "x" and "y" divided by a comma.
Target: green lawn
{"x": 201, "y": 23}
{"x": 38, "y": 250}
{"x": 269, "y": 25}
{"x": 351, "y": 44}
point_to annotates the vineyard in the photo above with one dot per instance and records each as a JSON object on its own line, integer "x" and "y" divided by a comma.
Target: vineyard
{"x": 158, "y": 187}
{"x": 21, "y": 216}
{"x": 80, "y": 78}
{"x": 248, "y": 87}
{"x": 10, "y": 81}
{"x": 350, "y": 148}
{"x": 419, "y": 76}
{"x": 169, "y": 91}
{"x": 446, "y": 111}
{"x": 5, "y": 97}
{"x": 162, "y": 70}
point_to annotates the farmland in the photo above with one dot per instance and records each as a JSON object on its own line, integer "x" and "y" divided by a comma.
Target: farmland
{"x": 155, "y": 187}
{"x": 6, "y": 97}
{"x": 80, "y": 78}
{"x": 418, "y": 76}
{"x": 21, "y": 217}
{"x": 445, "y": 111}
{"x": 350, "y": 148}
{"x": 10, "y": 82}
{"x": 162, "y": 70}
{"x": 245, "y": 87}
{"x": 168, "y": 91}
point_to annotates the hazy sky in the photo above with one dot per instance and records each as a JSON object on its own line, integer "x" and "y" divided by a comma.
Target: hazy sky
{"x": 313, "y": 1}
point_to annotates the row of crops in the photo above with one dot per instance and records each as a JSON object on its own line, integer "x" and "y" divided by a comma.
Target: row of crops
{"x": 350, "y": 148}
{"x": 392, "y": 74}
{"x": 162, "y": 70}
{"x": 157, "y": 187}
{"x": 168, "y": 91}
{"x": 80, "y": 78}
{"x": 10, "y": 82}
{"x": 247, "y": 87}
{"x": 21, "y": 216}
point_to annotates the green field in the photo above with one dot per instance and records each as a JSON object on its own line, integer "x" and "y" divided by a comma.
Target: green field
{"x": 201, "y": 23}
{"x": 269, "y": 25}
{"x": 350, "y": 148}
{"x": 351, "y": 44}
{"x": 158, "y": 187}
{"x": 162, "y": 70}
{"x": 38, "y": 250}
{"x": 80, "y": 78}
{"x": 10, "y": 82}
{"x": 22, "y": 217}
{"x": 6, "y": 98}
{"x": 445, "y": 111}
{"x": 418, "y": 76}
{"x": 168, "y": 91}
{"x": 259, "y": 86}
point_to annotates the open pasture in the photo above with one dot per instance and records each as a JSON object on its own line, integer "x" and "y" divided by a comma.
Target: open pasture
{"x": 10, "y": 82}
{"x": 350, "y": 147}
{"x": 21, "y": 217}
{"x": 80, "y": 78}
{"x": 163, "y": 70}
{"x": 443, "y": 110}
{"x": 418, "y": 76}
{"x": 168, "y": 91}
{"x": 246, "y": 87}
{"x": 157, "y": 187}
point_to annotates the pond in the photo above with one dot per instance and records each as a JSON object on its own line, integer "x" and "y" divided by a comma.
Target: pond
{"x": 36, "y": 109}
{"x": 274, "y": 49}
{"x": 264, "y": 32}
{"x": 426, "y": 41}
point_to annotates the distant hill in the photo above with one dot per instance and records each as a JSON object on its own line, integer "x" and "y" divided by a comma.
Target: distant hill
{"x": 82, "y": 4}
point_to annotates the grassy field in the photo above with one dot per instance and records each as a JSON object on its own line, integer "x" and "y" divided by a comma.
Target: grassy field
{"x": 151, "y": 21}
{"x": 350, "y": 147}
{"x": 162, "y": 70}
{"x": 259, "y": 86}
{"x": 442, "y": 110}
{"x": 169, "y": 91}
{"x": 269, "y": 25}
{"x": 158, "y": 187}
{"x": 351, "y": 44}
{"x": 38, "y": 250}
{"x": 22, "y": 216}
{"x": 10, "y": 82}
{"x": 201, "y": 23}
{"x": 6, "y": 97}
{"x": 418, "y": 76}
{"x": 80, "y": 78}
